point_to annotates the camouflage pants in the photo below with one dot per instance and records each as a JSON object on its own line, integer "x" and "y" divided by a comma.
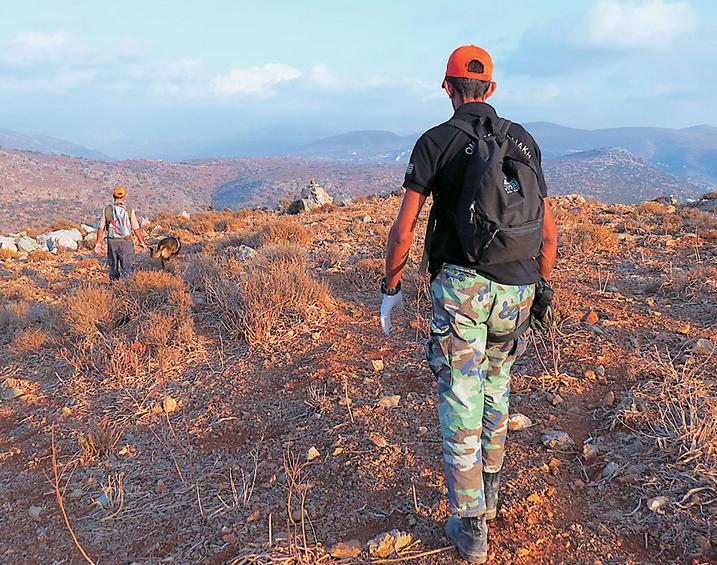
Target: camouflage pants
{"x": 473, "y": 375}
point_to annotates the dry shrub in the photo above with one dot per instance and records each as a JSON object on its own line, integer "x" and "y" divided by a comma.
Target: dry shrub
{"x": 18, "y": 316}
{"x": 8, "y": 254}
{"x": 222, "y": 221}
{"x": 586, "y": 237}
{"x": 84, "y": 264}
{"x": 364, "y": 274}
{"x": 651, "y": 207}
{"x": 263, "y": 298}
{"x": 126, "y": 329}
{"x": 90, "y": 311}
{"x": 696, "y": 284}
{"x": 100, "y": 442}
{"x": 29, "y": 341}
{"x": 157, "y": 295}
{"x": 231, "y": 243}
{"x": 283, "y": 230}
{"x": 676, "y": 406}
{"x": 169, "y": 220}
{"x": 698, "y": 220}
{"x": 288, "y": 255}
{"x": 276, "y": 299}
{"x": 567, "y": 215}
{"x": 41, "y": 255}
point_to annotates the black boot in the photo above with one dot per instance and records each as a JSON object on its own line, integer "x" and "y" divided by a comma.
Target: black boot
{"x": 491, "y": 484}
{"x": 470, "y": 536}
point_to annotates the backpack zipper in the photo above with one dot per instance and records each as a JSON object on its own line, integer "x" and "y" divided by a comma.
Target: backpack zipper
{"x": 525, "y": 227}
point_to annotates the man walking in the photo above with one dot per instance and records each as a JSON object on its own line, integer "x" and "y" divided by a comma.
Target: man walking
{"x": 119, "y": 222}
{"x": 491, "y": 241}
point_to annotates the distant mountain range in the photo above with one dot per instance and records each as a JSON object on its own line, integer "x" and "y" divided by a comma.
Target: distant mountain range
{"x": 689, "y": 153}
{"x": 48, "y": 145}
{"x": 37, "y": 188}
{"x": 374, "y": 146}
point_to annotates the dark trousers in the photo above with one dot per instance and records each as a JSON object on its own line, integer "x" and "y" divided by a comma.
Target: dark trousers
{"x": 120, "y": 258}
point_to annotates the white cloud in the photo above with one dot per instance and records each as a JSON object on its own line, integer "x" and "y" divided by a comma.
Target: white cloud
{"x": 322, "y": 76}
{"x": 651, "y": 24}
{"x": 36, "y": 47}
{"x": 254, "y": 80}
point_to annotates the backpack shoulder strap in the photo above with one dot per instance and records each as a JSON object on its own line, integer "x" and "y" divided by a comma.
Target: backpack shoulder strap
{"x": 500, "y": 127}
{"x": 428, "y": 242}
{"x": 108, "y": 214}
{"x": 464, "y": 127}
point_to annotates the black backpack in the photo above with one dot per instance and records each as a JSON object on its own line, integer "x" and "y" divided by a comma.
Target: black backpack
{"x": 499, "y": 212}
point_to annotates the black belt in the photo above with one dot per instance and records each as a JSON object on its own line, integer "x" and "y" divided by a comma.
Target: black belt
{"x": 515, "y": 334}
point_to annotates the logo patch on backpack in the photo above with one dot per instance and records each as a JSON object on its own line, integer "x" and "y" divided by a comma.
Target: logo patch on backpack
{"x": 511, "y": 186}
{"x": 409, "y": 169}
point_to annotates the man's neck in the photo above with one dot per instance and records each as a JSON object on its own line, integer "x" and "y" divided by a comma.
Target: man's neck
{"x": 457, "y": 104}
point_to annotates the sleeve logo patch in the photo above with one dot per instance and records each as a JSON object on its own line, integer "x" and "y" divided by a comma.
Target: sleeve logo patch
{"x": 409, "y": 169}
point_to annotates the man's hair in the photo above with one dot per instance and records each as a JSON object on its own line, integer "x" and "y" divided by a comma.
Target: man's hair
{"x": 468, "y": 87}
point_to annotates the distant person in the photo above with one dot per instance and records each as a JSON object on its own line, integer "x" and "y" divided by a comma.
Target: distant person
{"x": 118, "y": 221}
{"x": 491, "y": 242}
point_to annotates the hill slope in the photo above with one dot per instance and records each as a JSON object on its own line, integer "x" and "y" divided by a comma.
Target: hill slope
{"x": 45, "y": 144}
{"x": 178, "y": 442}
{"x": 613, "y": 175}
{"x": 690, "y": 153}
{"x": 38, "y": 189}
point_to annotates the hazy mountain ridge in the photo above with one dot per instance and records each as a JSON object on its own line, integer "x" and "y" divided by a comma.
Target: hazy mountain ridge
{"x": 613, "y": 175}
{"x": 688, "y": 153}
{"x": 36, "y": 188}
{"x": 48, "y": 145}
{"x": 377, "y": 146}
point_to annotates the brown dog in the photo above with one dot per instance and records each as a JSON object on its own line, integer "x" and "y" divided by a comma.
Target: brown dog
{"x": 167, "y": 248}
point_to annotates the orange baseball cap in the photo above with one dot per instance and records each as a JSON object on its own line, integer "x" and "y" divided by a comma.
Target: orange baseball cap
{"x": 120, "y": 192}
{"x": 461, "y": 57}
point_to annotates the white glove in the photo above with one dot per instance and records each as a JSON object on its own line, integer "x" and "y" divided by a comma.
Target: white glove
{"x": 388, "y": 304}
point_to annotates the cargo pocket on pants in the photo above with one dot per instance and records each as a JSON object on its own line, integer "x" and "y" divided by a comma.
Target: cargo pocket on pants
{"x": 438, "y": 353}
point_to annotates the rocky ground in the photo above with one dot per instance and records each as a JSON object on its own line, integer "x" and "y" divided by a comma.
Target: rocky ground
{"x": 246, "y": 408}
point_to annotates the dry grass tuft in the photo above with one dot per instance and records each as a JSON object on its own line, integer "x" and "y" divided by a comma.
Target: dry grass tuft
{"x": 655, "y": 208}
{"x": 61, "y": 224}
{"x": 284, "y": 230}
{"x": 16, "y": 317}
{"x": 90, "y": 311}
{"x": 698, "y": 220}
{"x": 696, "y": 284}
{"x": 127, "y": 329}
{"x": 365, "y": 274}
{"x": 41, "y": 255}
{"x": 263, "y": 298}
{"x": 205, "y": 221}
{"x": 100, "y": 442}
{"x": 161, "y": 295}
{"x": 289, "y": 255}
{"x": 586, "y": 237}
{"x": 8, "y": 254}
{"x": 676, "y": 406}
{"x": 29, "y": 341}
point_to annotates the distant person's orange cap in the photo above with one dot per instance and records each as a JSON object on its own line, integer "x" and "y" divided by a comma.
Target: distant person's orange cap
{"x": 120, "y": 192}
{"x": 461, "y": 57}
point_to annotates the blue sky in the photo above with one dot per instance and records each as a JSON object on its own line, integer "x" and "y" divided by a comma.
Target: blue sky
{"x": 176, "y": 79}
